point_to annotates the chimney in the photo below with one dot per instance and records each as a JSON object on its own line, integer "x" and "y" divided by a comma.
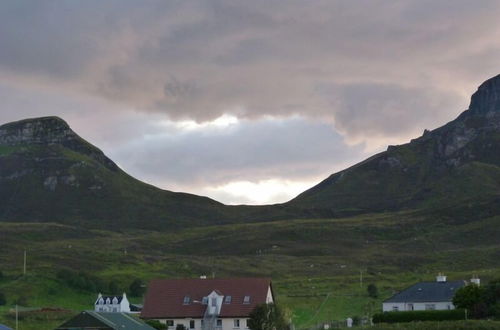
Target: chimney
{"x": 475, "y": 280}
{"x": 441, "y": 278}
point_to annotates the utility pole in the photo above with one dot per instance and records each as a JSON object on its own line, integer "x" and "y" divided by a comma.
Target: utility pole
{"x": 17, "y": 318}
{"x": 24, "y": 268}
{"x": 361, "y": 278}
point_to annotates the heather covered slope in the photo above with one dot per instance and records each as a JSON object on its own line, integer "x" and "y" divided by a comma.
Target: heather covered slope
{"x": 49, "y": 173}
{"x": 455, "y": 165}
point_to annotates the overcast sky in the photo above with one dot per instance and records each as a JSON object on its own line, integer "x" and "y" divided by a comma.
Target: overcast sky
{"x": 244, "y": 101}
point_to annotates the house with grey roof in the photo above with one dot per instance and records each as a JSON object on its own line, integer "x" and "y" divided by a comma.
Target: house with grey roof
{"x": 436, "y": 295}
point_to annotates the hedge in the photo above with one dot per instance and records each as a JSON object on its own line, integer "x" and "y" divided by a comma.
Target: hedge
{"x": 400, "y": 317}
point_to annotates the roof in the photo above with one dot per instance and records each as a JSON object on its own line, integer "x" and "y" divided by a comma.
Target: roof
{"x": 110, "y": 298}
{"x": 95, "y": 320}
{"x": 428, "y": 292}
{"x": 4, "y": 327}
{"x": 164, "y": 298}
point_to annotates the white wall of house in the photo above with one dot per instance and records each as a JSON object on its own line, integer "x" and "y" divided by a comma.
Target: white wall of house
{"x": 227, "y": 323}
{"x": 420, "y": 306}
{"x": 112, "y": 305}
{"x": 269, "y": 298}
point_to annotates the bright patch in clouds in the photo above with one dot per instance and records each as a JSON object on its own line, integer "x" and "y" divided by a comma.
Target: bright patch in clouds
{"x": 223, "y": 121}
{"x": 261, "y": 192}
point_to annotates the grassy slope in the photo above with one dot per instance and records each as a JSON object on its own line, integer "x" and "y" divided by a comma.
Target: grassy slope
{"x": 315, "y": 264}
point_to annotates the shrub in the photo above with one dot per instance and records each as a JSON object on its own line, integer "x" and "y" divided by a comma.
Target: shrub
{"x": 400, "y": 317}
{"x": 372, "y": 291}
{"x": 156, "y": 324}
{"x": 136, "y": 288}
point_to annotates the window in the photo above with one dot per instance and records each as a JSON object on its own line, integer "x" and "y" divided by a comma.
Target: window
{"x": 430, "y": 307}
{"x": 219, "y": 323}
{"x": 191, "y": 324}
{"x": 214, "y": 302}
{"x": 395, "y": 308}
{"x": 186, "y": 300}
{"x": 236, "y": 323}
{"x": 227, "y": 300}
{"x": 204, "y": 301}
{"x": 246, "y": 300}
{"x": 170, "y": 323}
{"x": 246, "y": 322}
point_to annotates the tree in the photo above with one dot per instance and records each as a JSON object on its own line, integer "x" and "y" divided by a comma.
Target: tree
{"x": 372, "y": 290}
{"x": 470, "y": 297}
{"x": 113, "y": 288}
{"x": 267, "y": 317}
{"x": 136, "y": 288}
{"x": 3, "y": 300}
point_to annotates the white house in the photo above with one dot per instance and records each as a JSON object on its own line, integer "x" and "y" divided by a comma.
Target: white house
{"x": 436, "y": 295}
{"x": 201, "y": 304}
{"x": 112, "y": 304}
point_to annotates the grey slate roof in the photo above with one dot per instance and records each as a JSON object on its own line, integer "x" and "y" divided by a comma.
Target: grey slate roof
{"x": 96, "y": 320}
{"x": 427, "y": 292}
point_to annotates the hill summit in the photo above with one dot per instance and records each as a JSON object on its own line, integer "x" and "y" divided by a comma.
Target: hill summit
{"x": 454, "y": 166}
{"x": 48, "y": 173}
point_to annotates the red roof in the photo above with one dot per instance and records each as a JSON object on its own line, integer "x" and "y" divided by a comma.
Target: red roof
{"x": 164, "y": 298}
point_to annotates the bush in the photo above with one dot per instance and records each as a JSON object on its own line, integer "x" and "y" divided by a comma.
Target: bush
{"x": 3, "y": 300}
{"x": 267, "y": 317}
{"x": 372, "y": 291}
{"x": 81, "y": 281}
{"x": 156, "y": 324}
{"x": 136, "y": 288}
{"x": 410, "y": 316}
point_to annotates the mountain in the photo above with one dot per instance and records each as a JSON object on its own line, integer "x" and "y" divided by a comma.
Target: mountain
{"x": 50, "y": 174}
{"x": 455, "y": 168}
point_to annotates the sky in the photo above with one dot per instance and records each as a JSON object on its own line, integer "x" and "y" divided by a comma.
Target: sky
{"x": 247, "y": 102}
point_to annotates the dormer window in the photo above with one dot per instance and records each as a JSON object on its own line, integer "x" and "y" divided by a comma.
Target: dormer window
{"x": 115, "y": 301}
{"x": 101, "y": 301}
{"x": 204, "y": 301}
{"x": 108, "y": 301}
{"x": 187, "y": 300}
{"x": 214, "y": 302}
{"x": 227, "y": 299}
{"x": 246, "y": 300}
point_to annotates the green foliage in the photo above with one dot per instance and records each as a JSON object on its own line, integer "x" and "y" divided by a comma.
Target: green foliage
{"x": 81, "y": 281}
{"x": 137, "y": 288}
{"x": 410, "y": 316}
{"x": 156, "y": 324}
{"x": 440, "y": 325}
{"x": 113, "y": 288}
{"x": 372, "y": 290}
{"x": 3, "y": 299}
{"x": 267, "y": 317}
{"x": 470, "y": 297}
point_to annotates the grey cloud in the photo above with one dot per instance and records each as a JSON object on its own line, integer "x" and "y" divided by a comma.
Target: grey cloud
{"x": 202, "y": 59}
{"x": 293, "y": 149}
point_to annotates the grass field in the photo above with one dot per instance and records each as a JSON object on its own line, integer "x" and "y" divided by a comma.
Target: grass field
{"x": 316, "y": 265}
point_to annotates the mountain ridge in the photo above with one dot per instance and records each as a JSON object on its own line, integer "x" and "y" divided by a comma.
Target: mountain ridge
{"x": 49, "y": 173}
